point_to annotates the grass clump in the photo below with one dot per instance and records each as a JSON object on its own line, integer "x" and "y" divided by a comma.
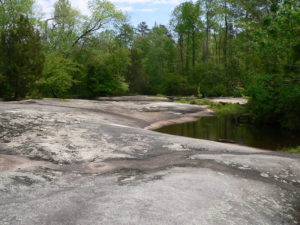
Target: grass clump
{"x": 64, "y": 100}
{"x": 160, "y": 96}
{"x": 197, "y": 102}
{"x": 229, "y": 109}
{"x": 292, "y": 150}
{"x": 218, "y": 108}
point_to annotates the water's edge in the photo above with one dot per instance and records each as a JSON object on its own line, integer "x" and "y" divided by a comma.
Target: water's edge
{"x": 224, "y": 129}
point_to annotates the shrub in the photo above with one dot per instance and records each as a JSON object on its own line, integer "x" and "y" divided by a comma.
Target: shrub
{"x": 275, "y": 98}
{"x": 57, "y": 77}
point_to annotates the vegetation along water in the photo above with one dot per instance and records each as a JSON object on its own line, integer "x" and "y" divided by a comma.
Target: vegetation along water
{"x": 209, "y": 48}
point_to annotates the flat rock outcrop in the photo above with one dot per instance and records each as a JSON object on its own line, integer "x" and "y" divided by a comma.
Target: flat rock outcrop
{"x": 92, "y": 162}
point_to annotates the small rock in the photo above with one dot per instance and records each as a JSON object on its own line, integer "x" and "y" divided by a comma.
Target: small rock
{"x": 264, "y": 175}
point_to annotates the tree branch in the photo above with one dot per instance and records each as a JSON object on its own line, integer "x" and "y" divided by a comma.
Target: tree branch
{"x": 88, "y": 31}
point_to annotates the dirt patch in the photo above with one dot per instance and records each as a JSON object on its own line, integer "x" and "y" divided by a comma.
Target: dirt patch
{"x": 151, "y": 163}
{"x": 10, "y": 163}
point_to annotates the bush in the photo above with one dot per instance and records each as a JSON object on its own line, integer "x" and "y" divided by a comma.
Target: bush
{"x": 174, "y": 84}
{"x": 211, "y": 79}
{"x": 275, "y": 98}
{"x": 57, "y": 77}
{"x": 103, "y": 82}
{"x": 292, "y": 150}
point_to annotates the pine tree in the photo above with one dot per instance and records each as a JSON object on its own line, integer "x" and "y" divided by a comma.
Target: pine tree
{"x": 22, "y": 58}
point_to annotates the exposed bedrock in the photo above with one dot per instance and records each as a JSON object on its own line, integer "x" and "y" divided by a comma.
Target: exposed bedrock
{"x": 92, "y": 162}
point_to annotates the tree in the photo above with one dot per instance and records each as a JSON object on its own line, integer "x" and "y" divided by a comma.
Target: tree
{"x": 186, "y": 23}
{"x": 64, "y": 15}
{"x": 58, "y": 76}
{"x": 64, "y": 27}
{"x": 153, "y": 60}
{"x": 136, "y": 76}
{"x": 126, "y": 35}
{"x": 22, "y": 58}
{"x": 209, "y": 9}
{"x": 143, "y": 29}
{"x": 11, "y": 10}
{"x": 275, "y": 91}
{"x": 103, "y": 13}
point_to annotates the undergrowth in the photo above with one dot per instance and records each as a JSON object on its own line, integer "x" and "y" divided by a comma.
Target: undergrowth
{"x": 218, "y": 108}
{"x": 292, "y": 150}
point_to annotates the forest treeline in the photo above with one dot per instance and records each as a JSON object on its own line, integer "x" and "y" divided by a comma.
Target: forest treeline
{"x": 209, "y": 48}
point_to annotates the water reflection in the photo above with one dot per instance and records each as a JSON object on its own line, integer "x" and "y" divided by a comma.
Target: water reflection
{"x": 226, "y": 130}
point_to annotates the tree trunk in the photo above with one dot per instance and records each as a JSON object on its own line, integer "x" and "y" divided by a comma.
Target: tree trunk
{"x": 187, "y": 60}
{"x": 181, "y": 52}
{"x": 16, "y": 94}
{"x": 206, "y": 51}
{"x": 194, "y": 48}
{"x": 225, "y": 47}
{"x": 216, "y": 47}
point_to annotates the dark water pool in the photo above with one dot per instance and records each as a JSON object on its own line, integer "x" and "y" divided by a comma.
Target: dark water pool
{"x": 225, "y": 129}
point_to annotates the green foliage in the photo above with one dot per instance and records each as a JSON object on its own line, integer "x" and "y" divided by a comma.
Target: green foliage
{"x": 213, "y": 80}
{"x": 197, "y": 102}
{"x": 143, "y": 29}
{"x": 3, "y": 85}
{"x": 21, "y": 58}
{"x": 106, "y": 69}
{"x": 64, "y": 100}
{"x": 199, "y": 94}
{"x": 186, "y": 22}
{"x": 292, "y": 150}
{"x": 11, "y": 10}
{"x": 64, "y": 15}
{"x": 64, "y": 30}
{"x": 136, "y": 75}
{"x": 126, "y": 35}
{"x": 229, "y": 109}
{"x": 153, "y": 64}
{"x": 160, "y": 96}
{"x": 221, "y": 109}
{"x": 103, "y": 13}
{"x": 214, "y": 48}
{"x": 58, "y": 76}
{"x": 103, "y": 82}
{"x": 275, "y": 98}
{"x": 275, "y": 95}
{"x": 118, "y": 61}
{"x": 175, "y": 85}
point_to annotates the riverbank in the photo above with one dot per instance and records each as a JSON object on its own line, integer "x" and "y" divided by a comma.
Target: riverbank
{"x": 91, "y": 162}
{"x": 220, "y": 106}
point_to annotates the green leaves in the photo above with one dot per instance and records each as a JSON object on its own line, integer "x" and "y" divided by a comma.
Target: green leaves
{"x": 11, "y": 10}
{"x": 275, "y": 99}
{"x": 218, "y": 45}
{"x": 102, "y": 81}
{"x": 21, "y": 58}
{"x": 104, "y": 14}
{"x": 58, "y": 76}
